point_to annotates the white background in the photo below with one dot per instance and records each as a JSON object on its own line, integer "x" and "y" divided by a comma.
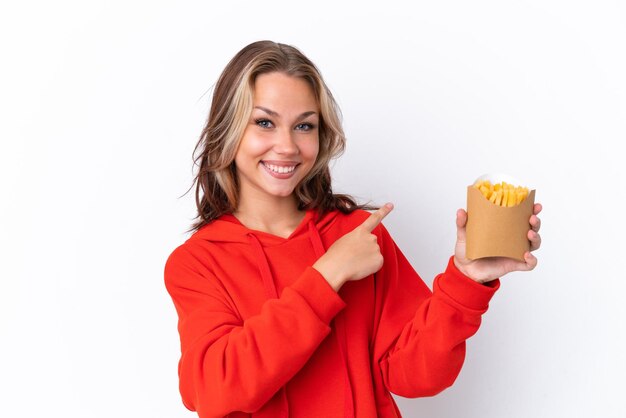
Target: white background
{"x": 101, "y": 103}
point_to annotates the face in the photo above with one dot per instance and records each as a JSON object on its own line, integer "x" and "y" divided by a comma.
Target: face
{"x": 281, "y": 142}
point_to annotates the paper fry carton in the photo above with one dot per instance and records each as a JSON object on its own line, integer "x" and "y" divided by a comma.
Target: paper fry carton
{"x": 495, "y": 231}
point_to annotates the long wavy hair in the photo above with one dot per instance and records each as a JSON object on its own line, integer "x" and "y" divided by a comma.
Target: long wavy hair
{"x": 217, "y": 186}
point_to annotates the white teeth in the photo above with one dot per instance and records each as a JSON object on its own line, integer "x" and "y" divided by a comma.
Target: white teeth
{"x": 280, "y": 169}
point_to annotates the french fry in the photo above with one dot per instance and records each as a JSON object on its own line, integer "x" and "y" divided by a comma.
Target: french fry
{"x": 499, "y": 197}
{"x": 512, "y": 199}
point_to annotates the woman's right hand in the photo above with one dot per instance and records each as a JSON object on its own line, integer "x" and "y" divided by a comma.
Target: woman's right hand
{"x": 355, "y": 255}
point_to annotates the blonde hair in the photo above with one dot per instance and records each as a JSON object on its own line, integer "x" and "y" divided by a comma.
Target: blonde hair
{"x": 217, "y": 188}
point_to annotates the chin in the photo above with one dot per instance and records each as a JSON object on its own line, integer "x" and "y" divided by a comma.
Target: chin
{"x": 282, "y": 193}
{"x": 279, "y": 190}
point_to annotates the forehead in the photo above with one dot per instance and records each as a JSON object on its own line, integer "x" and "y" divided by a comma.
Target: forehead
{"x": 281, "y": 91}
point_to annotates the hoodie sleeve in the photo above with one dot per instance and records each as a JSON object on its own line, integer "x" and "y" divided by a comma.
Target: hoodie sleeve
{"x": 228, "y": 364}
{"x": 419, "y": 335}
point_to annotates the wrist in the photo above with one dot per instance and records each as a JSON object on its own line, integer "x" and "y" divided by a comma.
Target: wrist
{"x": 333, "y": 278}
{"x": 335, "y": 283}
{"x": 462, "y": 268}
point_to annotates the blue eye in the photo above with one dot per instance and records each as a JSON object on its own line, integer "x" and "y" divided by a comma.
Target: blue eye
{"x": 305, "y": 126}
{"x": 263, "y": 123}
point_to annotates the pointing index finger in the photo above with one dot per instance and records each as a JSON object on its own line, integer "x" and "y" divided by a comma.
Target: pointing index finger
{"x": 376, "y": 217}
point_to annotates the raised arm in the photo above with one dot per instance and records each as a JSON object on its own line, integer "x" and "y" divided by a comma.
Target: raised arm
{"x": 228, "y": 364}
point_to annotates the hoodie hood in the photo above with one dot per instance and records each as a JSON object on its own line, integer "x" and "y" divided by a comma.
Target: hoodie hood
{"x": 227, "y": 228}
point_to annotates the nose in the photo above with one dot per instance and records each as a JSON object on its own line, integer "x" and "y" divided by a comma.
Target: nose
{"x": 285, "y": 142}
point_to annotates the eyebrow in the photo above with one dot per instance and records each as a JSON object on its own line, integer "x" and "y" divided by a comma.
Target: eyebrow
{"x": 275, "y": 114}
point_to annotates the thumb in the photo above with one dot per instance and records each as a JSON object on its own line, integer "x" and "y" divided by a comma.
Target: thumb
{"x": 461, "y": 222}
{"x": 376, "y": 217}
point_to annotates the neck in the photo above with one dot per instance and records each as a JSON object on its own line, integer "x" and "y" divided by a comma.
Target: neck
{"x": 278, "y": 216}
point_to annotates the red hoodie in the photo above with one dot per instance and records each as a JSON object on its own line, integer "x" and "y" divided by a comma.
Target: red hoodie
{"x": 264, "y": 335}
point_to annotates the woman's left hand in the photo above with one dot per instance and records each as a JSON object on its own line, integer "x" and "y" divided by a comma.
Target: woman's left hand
{"x": 486, "y": 269}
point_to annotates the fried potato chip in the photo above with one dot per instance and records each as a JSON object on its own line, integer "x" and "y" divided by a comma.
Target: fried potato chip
{"x": 502, "y": 194}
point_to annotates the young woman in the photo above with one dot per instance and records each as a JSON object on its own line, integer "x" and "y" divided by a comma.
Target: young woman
{"x": 295, "y": 301}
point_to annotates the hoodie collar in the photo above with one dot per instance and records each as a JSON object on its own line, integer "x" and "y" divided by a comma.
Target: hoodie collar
{"x": 227, "y": 228}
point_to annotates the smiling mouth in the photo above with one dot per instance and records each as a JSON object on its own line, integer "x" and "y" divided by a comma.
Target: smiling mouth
{"x": 279, "y": 169}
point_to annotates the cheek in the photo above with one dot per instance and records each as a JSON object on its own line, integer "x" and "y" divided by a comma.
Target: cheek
{"x": 311, "y": 149}
{"x": 251, "y": 146}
